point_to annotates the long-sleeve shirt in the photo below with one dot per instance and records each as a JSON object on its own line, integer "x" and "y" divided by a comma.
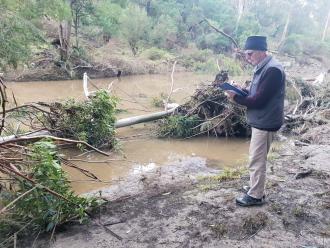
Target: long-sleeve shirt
{"x": 271, "y": 82}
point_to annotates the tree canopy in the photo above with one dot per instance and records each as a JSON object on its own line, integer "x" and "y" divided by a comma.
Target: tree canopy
{"x": 292, "y": 26}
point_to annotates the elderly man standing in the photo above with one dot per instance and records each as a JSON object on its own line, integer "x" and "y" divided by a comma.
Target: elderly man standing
{"x": 265, "y": 103}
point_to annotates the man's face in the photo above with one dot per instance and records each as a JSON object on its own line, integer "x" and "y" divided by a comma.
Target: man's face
{"x": 254, "y": 57}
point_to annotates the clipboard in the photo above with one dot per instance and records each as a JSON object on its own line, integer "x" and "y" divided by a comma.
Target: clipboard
{"x": 227, "y": 86}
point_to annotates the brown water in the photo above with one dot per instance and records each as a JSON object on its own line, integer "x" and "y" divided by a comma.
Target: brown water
{"x": 138, "y": 145}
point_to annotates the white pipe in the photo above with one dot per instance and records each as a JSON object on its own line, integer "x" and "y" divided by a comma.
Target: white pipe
{"x": 85, "y": 82}
{"x": 142, "y": 118}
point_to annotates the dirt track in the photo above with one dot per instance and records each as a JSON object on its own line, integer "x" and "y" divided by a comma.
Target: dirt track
{"x": 184, "y": 214}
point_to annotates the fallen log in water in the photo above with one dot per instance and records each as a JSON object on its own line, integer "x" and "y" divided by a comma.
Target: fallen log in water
{"x": 118, "y": 124}
{"x": 143, "y": 118}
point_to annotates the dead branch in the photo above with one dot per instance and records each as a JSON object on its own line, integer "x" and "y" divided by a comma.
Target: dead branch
{"x": 21, "y": 139}
{"x": 15, "y": 234}
{"x": 7, "y": 170}
{"x": 83, "y": 171}
{"x": 27, "y": 106}
{"x": 207, "y": 111}
{"x": 3, "y": 101}
{"x": 221, "y": 32}
{"x": 172, "y": 84}
{"x": 216, "y": 29}
{"x": 98, "y": 161}
{"x": 109, "y": 231}
{"x": 17, "y": 199}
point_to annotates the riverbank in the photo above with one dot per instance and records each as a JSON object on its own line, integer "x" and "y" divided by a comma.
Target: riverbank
{"x": 111, "y": 59}
{"x": 195, "y": 212}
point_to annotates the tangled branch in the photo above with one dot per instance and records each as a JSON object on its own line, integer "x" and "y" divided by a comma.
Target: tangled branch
{"x": 207, "y": 111}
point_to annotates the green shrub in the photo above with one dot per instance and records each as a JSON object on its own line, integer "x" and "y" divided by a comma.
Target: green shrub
{"x": 206, "y": 61}
{"x": 199, "y": 60}
{"x": 208, "y": 66}
{"x": 293, "y": 45}
{"x": 179, "y": 126}
{"x": 157, "y": 54}
{"x": 230, "y": 65}
{"x": 214, "y": 42}
{"x": 227, "y": 174}
{"x": 91, "y": 121}
{"x": 202, "y": 55}
{"x": 192, "y": 56}
{"x": 40, "y": 210}
{"x": 298, "y": 44}
{"x": 158, "y": 101}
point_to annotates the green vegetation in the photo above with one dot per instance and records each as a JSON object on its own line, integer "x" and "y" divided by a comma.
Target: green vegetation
{"x": 39, "y": 210}
{"x": 158, "y": 101}
{"x": 157, "y": 54}
{"x": 165, "y": 27}
{"x": 90, "y": 121}
{"x": 20, "y": 33}
{"x": 179, "y": 126}
{"x": 134, "y": 26}
{"x": 231, "y": 65}
{"x": 227, "y": 174}
{"x": 274, "y": 151}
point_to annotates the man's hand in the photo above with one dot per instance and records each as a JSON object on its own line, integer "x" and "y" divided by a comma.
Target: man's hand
{"x": 230, "y": 94}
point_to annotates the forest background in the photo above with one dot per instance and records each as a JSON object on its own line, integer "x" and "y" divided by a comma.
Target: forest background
{"x": 71, "y": 34}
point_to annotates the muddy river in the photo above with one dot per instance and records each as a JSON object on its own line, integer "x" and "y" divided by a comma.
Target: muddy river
{"x": 138, "y": 145}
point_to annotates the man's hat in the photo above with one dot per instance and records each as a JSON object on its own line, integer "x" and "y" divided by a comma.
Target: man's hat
{"x": 256, "y": 43}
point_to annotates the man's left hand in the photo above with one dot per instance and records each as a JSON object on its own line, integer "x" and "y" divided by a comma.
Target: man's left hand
{"x": 230, "y": 94}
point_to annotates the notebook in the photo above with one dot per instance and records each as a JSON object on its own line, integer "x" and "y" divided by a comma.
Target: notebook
{"x": 227, "y": 86}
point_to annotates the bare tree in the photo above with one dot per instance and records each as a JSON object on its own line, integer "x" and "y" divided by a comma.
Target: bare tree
{"x": 64, "y": 34}
{"x": 240, "y": 11}
{"x": 326, "y": 26}
{"x": 285, "y": 30}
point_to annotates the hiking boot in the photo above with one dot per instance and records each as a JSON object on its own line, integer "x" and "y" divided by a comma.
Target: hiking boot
{"x": 247, "y": 201}
{"x": 246, "y": 189}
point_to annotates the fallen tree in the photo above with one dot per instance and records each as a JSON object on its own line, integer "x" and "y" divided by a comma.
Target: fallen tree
{"x": 35, "y": 192}
{"x": 91, "y": 121}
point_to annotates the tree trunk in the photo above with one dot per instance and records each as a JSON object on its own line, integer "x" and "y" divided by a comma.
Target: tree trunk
{"x": 240, "y": 9}
{"x": 64, "y": 37}
{"x": 148, "y": 7}
{"x": 143, "y": 118}
{"x": 76, "y": 26}
{"x": 326, "y": 27}
{"x": 285, "y": 30}
{"x": 118, "y": 124}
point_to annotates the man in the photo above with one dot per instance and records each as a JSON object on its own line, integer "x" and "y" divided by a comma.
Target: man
{"x": 265, "y": 103}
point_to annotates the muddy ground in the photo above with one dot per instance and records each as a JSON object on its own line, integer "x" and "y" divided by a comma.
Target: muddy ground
{"x": 179, "y": 208}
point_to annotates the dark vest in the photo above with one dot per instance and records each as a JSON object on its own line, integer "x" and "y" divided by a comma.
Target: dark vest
{"x": 271, "y": 115}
